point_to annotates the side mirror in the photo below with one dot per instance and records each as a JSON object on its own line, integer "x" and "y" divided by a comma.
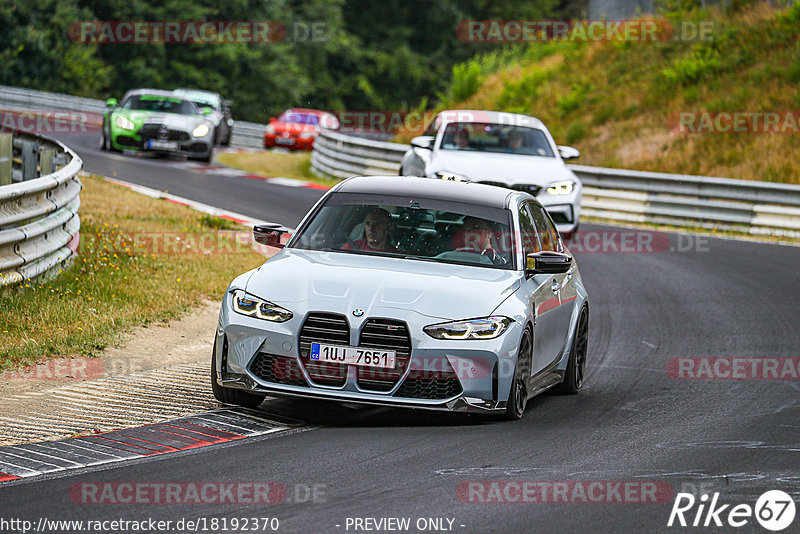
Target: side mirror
{"x": 269, "y": 234}
{"x": 547, "y": 262}
{"x": 111, "y": 103}
{"x": 226, "y": 104}
{"x": 568, "y": 152}
{"x": 423, "y": 141}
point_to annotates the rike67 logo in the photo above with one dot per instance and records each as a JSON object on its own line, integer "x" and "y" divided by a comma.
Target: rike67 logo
{"x": 774, "y": 510}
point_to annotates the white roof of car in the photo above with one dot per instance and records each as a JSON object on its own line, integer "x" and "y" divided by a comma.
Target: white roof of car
{"x": 494, "y": 117}
{"x": 432, "y": 188}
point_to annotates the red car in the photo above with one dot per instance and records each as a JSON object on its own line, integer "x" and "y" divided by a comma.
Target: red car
{"x": 297, "y": 128}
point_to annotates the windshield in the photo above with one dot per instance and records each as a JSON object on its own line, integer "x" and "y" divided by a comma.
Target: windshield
{"x": 163, "y": 104}
{"x": 502, "y": 138}
{"x": 413, "y": 228}
{"x": 299, "y": 118}
{"x": 200, "y": 98}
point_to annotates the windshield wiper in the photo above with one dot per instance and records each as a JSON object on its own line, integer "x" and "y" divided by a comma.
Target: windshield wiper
{"x": 423, "y": 258}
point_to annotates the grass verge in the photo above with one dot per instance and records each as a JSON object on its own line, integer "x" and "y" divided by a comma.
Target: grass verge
{"x": 141, "y": 260}
{"x": 287, "y": 165}
{"x": 622, "y": 103}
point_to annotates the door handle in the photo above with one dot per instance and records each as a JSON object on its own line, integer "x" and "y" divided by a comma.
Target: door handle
{"x": 554, "y": 287}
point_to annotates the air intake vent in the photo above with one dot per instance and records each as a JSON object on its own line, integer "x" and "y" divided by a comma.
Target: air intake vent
{"x": 441, "y": 383}
{"x": 328, "y": 328}
{"x": 390, "y": 335}
{"x": 278, "y": 369}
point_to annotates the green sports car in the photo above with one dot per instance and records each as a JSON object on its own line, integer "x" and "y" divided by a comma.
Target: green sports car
{"x": 159, "y": 122}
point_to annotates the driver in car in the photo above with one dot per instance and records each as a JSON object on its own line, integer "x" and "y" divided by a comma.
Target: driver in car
{"x": 377, "y": 231}
{"x": 478, "y": 236}
{"x": 514, "y": 141}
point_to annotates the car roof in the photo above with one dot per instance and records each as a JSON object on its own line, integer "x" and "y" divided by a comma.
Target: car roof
{"x": 501, "y": 117}
{"x": 466, "y": 192}
{"x": 154, "y": 92}
{"x": 196, "y": 91}
{"x": 308, "y": 111}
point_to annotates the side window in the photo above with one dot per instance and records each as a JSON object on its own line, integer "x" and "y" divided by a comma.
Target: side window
{"x": 530, "y": 240}
{"x": 544, "y": 228}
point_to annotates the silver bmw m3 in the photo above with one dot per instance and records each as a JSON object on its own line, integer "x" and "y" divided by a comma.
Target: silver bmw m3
{"x": 408, "y": 292}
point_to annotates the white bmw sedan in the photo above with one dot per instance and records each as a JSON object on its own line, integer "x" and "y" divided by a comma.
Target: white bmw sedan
{"x": 408, "y": 292}
{"x": 502, "y": 149}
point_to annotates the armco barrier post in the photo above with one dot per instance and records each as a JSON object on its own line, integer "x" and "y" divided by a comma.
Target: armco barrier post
{"x": 5, "y": 158}
{"x": 46, "y": 156}
{"x": 29, "y": 160}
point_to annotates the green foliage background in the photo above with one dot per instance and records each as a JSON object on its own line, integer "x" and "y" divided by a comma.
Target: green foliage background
{"x": 387, "y": 54}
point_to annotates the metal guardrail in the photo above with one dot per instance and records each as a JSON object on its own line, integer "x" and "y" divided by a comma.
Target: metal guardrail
{"x": 614, "y": 194}
{"x": 39, "y": 222}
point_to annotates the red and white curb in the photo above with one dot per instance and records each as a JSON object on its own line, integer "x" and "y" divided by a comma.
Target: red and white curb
{"x": 228, "y": 171}
{"x": 192, "y": 432}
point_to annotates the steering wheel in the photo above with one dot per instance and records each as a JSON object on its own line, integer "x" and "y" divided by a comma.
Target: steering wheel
{"x": 490, "y": 253}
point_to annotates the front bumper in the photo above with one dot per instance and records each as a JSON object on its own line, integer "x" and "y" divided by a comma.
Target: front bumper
{"x": 193, "y": 147}
{"x": 466, "y": 376}
{"x": 291, "y": 142}
{"x": 459, "y": 403}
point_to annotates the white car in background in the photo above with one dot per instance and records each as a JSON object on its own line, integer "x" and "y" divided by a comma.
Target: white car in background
{"x": 500, "y": 149}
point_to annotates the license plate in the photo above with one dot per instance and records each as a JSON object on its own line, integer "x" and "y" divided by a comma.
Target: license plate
{"x": 155, "y": 144}
{"x": 284, "y": 141}
{"x": 352, "y": 355}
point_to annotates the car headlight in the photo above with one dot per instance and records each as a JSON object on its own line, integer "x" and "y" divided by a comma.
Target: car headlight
{"x": 251, "y": 306}
{"x": 306, "y": 135}
{"x": 484, "y": 328}
{"x": 270, "y": 129}
{"x": 201, "y": 130}
{"x": 561, "y": 188}
{"x": 124, "y": 123}
{"x": 452, "y": 176}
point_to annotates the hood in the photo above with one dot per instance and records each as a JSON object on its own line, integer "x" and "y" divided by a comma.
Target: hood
{"x": 170, "y": 120}
{"x": 340, "y": 282}
{"x": 507, "y": 168}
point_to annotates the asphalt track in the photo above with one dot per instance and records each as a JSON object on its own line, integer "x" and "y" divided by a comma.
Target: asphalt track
{"x": 632, "y": 422}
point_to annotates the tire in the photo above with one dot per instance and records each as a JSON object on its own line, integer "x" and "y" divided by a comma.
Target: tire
{"x": 576, "y": 366}
{"x": 231, "y": 395}
{"x": 206, "y": 159}
{"x": 518, "y": 394}
{"x": 105, "y": 143}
